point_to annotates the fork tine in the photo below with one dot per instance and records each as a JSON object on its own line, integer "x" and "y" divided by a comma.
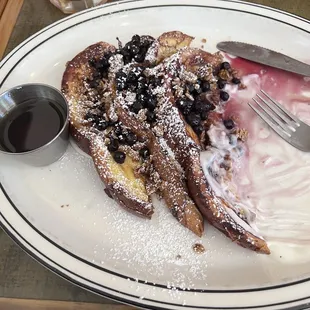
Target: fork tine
{"x": 278, "y": 113}
{"x": 274, "y": 117}
{"x": 270, "y": 122}
{"x": 284, "y": 110}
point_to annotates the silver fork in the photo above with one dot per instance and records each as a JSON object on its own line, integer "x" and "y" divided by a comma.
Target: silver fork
{"x": 282, "y": 121}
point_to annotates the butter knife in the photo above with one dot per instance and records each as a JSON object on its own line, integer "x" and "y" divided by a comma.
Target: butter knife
{"x": 264, "y": 56}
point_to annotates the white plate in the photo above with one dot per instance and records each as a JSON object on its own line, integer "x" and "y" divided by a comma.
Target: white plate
{"x": 93, "y": 243}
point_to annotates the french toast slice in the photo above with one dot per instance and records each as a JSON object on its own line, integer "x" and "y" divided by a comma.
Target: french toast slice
{"x": 85, "y": 91}
{"x": 166, "y": 45}
{"x": 173, "y": 187}
{"x": 183, "y": 135}
{"x": 170, "y": 179}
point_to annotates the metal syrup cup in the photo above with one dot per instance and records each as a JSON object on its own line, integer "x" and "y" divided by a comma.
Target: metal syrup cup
{"x": 53, "y": 149}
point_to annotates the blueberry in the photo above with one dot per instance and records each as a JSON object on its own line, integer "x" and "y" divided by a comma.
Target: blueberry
{"x": 126, "y": 49}
{"x": 119, "y": 50}
{"x": 121, "y": 80}
{"x": 155, "y": 81}
{"x": 150, "y": 116}
{"x": 185, "y": 104}
{"x": 101, "y": 107}
{"x": 99, "y": 66}
{"x": 119, "y": 157}
{"x": 108, "y": 54}
{"x": 136, "y": 107}
{"x": 235, "y": 80}
{"x": 209, "y": 106}
{"x": 197, "y": 92}
{"x": 138, "y": 71}
{"x": 134, "y": 49}
{"x": 136, "y": 39}
{"x": 102, "y": 125}
{"x": 127, "y": 59}
{"x": 131, "y": 138}
{"x": 229, "y": 124}
{"x": 200, "y": 106}
{"x": 97, "y": 75}
{"x": 143, "y": 50}
{"x": 142, "y": 83}
{"x": 132, "y": 87}
{"x": 204, "y": 115}
{"x": 92, "y": 62}
{"x": 96, "y": 119}
{"x": 140, "y": 90}
{"x": 140, "y": 96}
{"x": 144, "y": 153}
{"x": 120, "y": 75}
{"x": 225, "y": 65}
{"x": 224, "y": 96}
{"x": 151, "y": 103}
{"x": 142, "y": 99}
{"x": 121, "y": 139}
{"x": 221, "y": 83}
{"x": 198, "y": 129}
{"x": 139, "y": 57}
{"x": 151, "y": 79}
{"x": 113, "y": 145}
{"x": 158, "y": 81}
{"x": 104, "y": 62}
{"x": 132, "y": 78}
{"x": 186, "y": 110}
{"x": 120, "y": 85}
{"x": 111, "y": 123}
{"x": 118, "y": 131}
{"x": 193, "y": 119}
{"x": 104, "y": 74}
{"x": 93, "y": 84}
{"x": 205, "y": 86}
{"x": 142, "y": 78}
{"x": 89, "y": 116}
{"x": 190, "y": 88}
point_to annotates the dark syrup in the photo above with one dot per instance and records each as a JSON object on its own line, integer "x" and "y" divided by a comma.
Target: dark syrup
{"x": 31, "y": 125}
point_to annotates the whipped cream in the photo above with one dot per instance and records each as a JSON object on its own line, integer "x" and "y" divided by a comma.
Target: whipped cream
{"x": 224, "y": 180}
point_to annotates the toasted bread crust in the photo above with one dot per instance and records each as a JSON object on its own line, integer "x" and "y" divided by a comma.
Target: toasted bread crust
{"x": 80, "y": 139}
{"x": 174, "y": 190}
{"x": 72, "y": 85}
{"x": 140, "y": 203}
{"x": 170, "y": 42}
{"x": 77, "y": 71}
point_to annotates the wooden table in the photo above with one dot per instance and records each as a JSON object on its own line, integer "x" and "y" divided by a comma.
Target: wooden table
{"x": 24, "y": 284}
{"x": 9, "y": 10}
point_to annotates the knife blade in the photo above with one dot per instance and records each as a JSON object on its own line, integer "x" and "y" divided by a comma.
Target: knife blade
{"x": 264, "y": 56}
